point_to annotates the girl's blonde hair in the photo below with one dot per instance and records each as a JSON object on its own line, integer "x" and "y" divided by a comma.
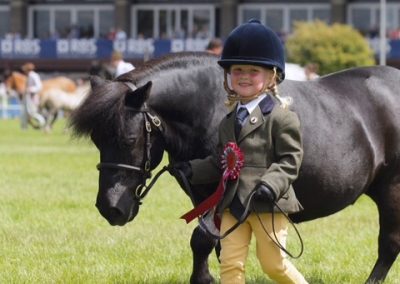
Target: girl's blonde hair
{"x": 271, "y": 88}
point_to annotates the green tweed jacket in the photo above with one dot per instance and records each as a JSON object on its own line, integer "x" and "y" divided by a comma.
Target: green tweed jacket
{"x": 271, "y": 143}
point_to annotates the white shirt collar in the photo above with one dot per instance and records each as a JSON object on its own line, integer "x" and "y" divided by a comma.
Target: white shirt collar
{"x": 251, "y": 105}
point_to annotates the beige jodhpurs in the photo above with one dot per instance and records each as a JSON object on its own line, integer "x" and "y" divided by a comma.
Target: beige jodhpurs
{"x": 235, "y": 247}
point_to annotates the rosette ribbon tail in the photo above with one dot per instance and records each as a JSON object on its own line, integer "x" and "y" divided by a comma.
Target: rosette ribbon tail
{"x": 208, "y": 203}
{"x": 231, "y": 161}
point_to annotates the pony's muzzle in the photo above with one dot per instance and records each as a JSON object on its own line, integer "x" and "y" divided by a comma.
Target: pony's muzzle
{"x": 115, "y": 217}
{"x": 118, "y": 207}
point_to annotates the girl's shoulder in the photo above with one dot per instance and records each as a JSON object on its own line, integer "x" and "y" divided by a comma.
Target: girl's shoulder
{"x": 284, "y": 116}
{"x": 282, "y": 111}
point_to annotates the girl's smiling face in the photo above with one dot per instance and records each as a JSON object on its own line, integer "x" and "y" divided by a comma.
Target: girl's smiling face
{"x": 249, "y": 80}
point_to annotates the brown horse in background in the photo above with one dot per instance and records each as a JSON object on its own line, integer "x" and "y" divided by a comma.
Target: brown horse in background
{"x": 58, "y": 93}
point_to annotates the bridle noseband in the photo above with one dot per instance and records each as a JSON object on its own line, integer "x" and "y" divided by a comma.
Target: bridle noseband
{"x": 149, "y": 120}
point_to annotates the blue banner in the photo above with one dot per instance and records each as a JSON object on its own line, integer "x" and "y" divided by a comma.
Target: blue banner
{"x": 394, "y": 49}
{"x": 130, "y": 48}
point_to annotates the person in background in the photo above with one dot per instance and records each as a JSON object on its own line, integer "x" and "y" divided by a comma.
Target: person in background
{"x": 120, "y": 34}
{"x": 118, "y": 63}
{"x": 215, "y": 46}
{"x": 31, "y": 99}
{"x": 311, "y": 71}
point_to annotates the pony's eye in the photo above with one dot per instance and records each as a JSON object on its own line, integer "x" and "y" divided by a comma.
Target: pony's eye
{"x": 128, "y": 141}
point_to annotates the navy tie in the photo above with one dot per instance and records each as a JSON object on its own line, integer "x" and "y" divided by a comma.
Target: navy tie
{"x": 241, "y": 116}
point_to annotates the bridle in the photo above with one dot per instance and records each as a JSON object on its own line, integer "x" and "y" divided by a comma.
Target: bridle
{"x": 149, "y": 119}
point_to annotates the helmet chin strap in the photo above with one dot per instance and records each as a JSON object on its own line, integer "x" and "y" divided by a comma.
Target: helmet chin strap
{"x": 234, "y": 97}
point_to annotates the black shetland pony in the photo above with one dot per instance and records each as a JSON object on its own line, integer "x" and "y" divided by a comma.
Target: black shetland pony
{"x": 351, "y": 133}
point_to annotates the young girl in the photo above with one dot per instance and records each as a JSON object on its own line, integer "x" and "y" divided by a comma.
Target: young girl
{"x": 268, "y": 136}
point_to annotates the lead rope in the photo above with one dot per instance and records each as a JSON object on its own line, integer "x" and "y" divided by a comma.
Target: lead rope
{"x": 275, "y": 240}
{"x": 243, "y": 217}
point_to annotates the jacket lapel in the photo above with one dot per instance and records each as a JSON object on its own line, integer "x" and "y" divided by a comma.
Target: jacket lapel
{"x": 256, "y": 118}
{"x": 266, "y": 105}
{"x": 228, "y": 129}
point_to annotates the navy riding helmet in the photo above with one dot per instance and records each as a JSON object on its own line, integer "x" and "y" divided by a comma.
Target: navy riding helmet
{"x": 255, "y": 44}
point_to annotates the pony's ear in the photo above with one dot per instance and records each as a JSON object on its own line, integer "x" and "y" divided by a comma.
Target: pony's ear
{"x": 136, "y": 98}
{"x": 96, "y": 81}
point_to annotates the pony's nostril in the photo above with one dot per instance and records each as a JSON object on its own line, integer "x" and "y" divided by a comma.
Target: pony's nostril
{"x": 116, "y": 211}
{"x": 115, "y": 214}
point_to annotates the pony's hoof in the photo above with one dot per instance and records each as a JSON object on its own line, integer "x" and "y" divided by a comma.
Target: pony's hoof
{"x": 205, "y": 279}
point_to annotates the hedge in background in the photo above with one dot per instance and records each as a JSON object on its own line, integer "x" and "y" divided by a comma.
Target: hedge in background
{"x": 333, "y": 48}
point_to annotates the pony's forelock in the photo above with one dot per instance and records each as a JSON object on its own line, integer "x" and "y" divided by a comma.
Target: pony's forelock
{"x": 99, "y": 112}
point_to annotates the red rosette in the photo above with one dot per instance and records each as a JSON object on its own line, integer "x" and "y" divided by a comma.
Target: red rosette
{"x": 232, "y": 160}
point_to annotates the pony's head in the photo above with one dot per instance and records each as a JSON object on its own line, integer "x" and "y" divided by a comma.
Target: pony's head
{"x": 128, "y": 135}
{"x": 158, "y": 106}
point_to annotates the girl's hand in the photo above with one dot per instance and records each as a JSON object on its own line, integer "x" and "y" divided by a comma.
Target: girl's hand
{"x": 264, "y": 193}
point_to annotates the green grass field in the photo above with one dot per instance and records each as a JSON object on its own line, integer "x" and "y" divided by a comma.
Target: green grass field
{"x": 51, "y": 232}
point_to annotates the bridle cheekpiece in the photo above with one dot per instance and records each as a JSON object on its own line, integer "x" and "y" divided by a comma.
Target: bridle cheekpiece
{"x": 149, "y": 119}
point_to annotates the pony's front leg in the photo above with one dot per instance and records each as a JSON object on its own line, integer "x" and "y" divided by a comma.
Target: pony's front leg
{"x": 202, "y": 245}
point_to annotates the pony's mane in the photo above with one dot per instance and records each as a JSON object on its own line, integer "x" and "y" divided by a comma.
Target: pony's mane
{"x": 181, "y": 60}
{"x": 103, "y": 109}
